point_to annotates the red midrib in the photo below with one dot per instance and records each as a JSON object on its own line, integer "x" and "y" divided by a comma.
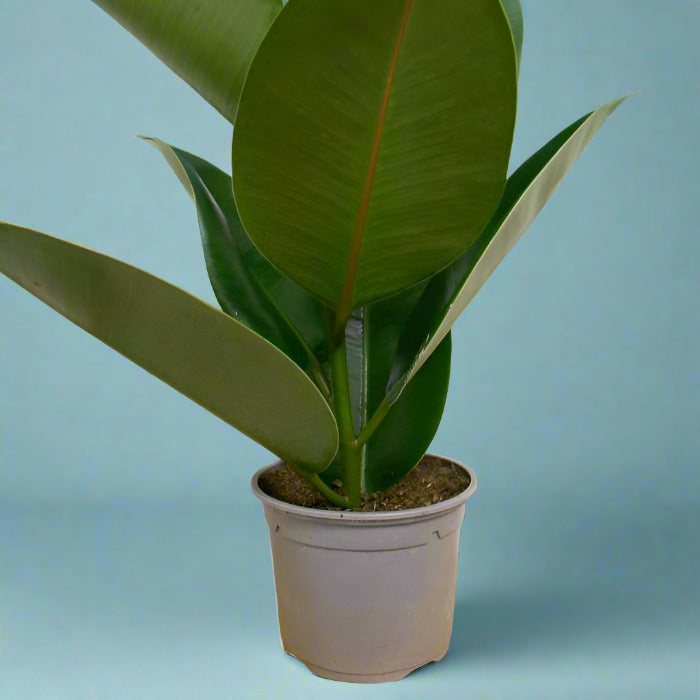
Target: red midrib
{"x": 345, "y": 305}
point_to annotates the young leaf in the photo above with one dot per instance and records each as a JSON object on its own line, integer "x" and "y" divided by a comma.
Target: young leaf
{"x": 197, "y": 349}
{"x": 408, "y": 427}
{"x": 208, "y": 43}
{"x": 527, "y": 191}
{"x": 372, "y": 337}
{"x": 406, "y": 430}
{"x": 394, "y": 148}
{"x": 246, "y": 285}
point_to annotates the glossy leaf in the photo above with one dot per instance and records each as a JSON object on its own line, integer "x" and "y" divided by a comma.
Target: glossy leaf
{"x": 372, "y": 337}
{"x": 406, "y": 432}
{"x": 208, "y": 43}
{"x": 403, "y": 436}
{"x": 527, "y": 191}
{"x": 195, "y": 348}
{"x": 393, "y": 150}
{"x": 408, "y": 428}
{"x": 246, "y": 285}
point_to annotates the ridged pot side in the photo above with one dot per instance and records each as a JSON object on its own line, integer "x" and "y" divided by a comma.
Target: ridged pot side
{"x": 365, "y": 597}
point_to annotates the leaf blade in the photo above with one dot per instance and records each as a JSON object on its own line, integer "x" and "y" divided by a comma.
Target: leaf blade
{"x": 197, "y": 349}
{"x": 527, "y": 191}
{"x": 407, "y": 430}
{"x": 246, "y": 285}
{"x": 301, "y": 184}
{"x": 209, "y": 43}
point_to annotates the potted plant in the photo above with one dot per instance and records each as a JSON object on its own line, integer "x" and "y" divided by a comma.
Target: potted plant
{"x": 369, "y": 202}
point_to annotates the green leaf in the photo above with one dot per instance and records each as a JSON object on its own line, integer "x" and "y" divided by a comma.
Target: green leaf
{"x": 401, "y": 439}
{"x": 410, "y": 425}
{"x": 372, "y": 140}
{"x": 514, "y": 12}
{"x": 407, "y": 430}
{"x": 527, "y": 191}
{"x": 372, "y": 337}
{"x": 197, "y": 349}
{"x": 246, "y": 285}
{"x": 208, "y": 43}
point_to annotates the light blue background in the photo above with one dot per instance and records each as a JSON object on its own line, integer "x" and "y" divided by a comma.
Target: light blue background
{"x": 134, "y": 560}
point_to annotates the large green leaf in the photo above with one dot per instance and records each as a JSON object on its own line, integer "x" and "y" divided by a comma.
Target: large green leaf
{"x": 208, "y": 43}
{"x": 372, "y": 140}
{"x": 195, "y": 348}
{"x": 246, "y": 285}
{"x": 527, "y": 191}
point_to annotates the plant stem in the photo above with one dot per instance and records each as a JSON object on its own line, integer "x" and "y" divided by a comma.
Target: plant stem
{"x": 373, "y": 423}
{"x": 335, "y": 498}
{"x": 350, "y": 451}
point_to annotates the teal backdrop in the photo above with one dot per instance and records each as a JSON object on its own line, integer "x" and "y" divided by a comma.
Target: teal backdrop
{"x": 134, "y": 561}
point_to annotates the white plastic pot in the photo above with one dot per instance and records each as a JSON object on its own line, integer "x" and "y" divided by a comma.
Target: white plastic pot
{"x": 365, "y": 597}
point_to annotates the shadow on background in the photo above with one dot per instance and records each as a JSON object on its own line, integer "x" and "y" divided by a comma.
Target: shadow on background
{"x": 617, "y": 577}
{"x": 520, "y": 622}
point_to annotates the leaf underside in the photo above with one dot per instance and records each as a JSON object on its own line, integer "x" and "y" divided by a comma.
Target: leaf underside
{"x": 527, "y": 191}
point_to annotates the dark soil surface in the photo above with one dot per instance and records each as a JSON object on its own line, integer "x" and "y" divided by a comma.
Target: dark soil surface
{"x": 433, "y": 480}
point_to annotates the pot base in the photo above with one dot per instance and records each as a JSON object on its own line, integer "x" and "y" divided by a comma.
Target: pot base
{"x": 332, "y": 675}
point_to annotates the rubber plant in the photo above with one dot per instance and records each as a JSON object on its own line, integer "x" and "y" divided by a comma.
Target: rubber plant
{"x": 368, "y": 204}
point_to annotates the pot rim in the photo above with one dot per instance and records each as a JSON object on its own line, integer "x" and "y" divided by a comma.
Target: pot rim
{"x": 352, "y": 516}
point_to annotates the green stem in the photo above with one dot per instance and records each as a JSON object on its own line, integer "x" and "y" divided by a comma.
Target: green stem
{"x": 373, "y": 423}
{"x": 334, "y": 497}
{"x": 350, "y": 450}
{"x": 313, "y": 478}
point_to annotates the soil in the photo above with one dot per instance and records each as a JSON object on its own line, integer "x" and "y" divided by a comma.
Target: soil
{"x": 434, "y": 479}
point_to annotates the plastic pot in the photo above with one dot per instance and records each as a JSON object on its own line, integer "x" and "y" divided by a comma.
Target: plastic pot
{"x": 365, "y": 597}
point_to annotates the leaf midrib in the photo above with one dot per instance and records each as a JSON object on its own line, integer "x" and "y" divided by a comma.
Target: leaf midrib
{"x": 344, "y": 308}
